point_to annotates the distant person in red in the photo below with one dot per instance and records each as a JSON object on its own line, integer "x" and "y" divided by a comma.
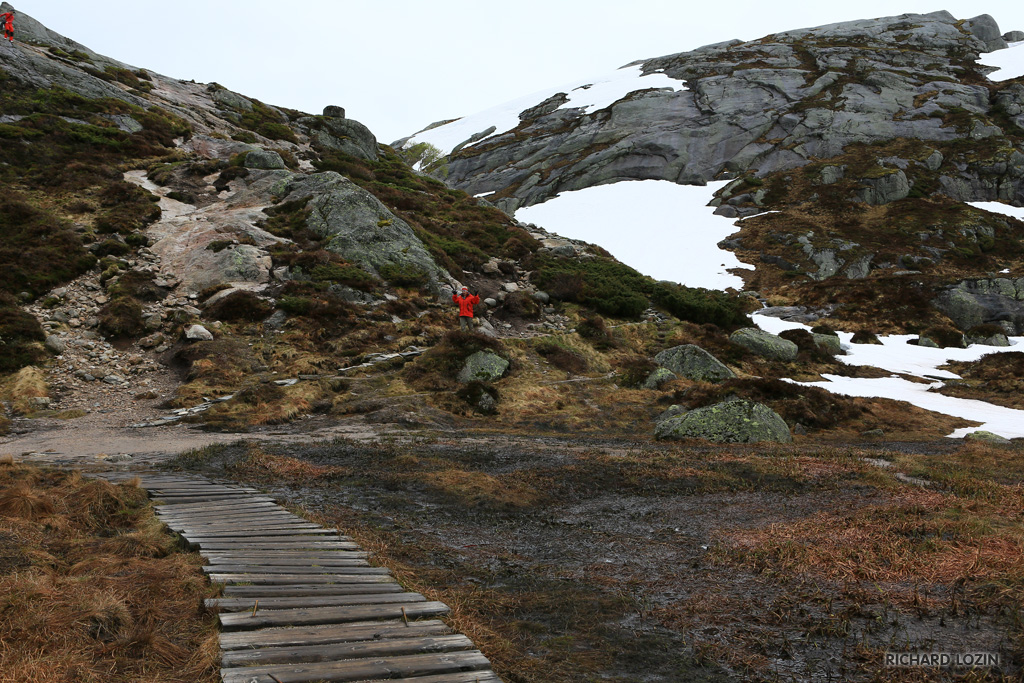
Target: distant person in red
{"x": 7, "y": 22}
{"x": 466, "y": 303}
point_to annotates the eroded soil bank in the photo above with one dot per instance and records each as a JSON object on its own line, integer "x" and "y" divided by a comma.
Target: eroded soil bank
{"x": 575, "y": 560}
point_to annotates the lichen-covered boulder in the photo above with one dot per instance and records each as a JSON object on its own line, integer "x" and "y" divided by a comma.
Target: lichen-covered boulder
{"x": 738, "y": 421}
{"x": 483, "y": 366}
{"x": 692, "y": 362}
{"x": 829, "y": 343}
{"x": 264, "y": 159}
{"x": 658, "y": 377}
{"x": 765, "y": 344}
{"x": 985, "y": 437}
{"x": 340, "y": 134}
{"x": 356, "y": 225}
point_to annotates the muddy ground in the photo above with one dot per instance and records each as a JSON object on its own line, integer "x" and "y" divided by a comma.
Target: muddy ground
{"x": 575, "y": 560}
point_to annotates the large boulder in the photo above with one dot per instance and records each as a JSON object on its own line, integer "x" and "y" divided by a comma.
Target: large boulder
{"x": 483, "y": 366}
{"x": 692, "y": 362}
{"x": 829, "y": 343}
{"x": 738, "y": 421}
{"x": 765, "y": 344}
{"x": 982, "y": 436}
{"x": 998, "y": 301}
{"x": 340, "y": 134}
{"x": 884, "y": 189}
{"x": 264, "y": 159}
{"x": 357, "y": 226}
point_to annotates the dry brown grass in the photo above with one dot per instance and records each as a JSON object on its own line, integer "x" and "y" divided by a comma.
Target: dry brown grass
{"x": 97, "y": 593}
{"x": 966, "y": 530}
{"x": 20, "y": 389}
{"x": 259, "y": 463}
{"x": 474, "y": 488}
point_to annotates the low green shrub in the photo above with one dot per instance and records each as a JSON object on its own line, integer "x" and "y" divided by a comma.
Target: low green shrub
{"x": 20, "y": 336}
{"x": 239, "y": 306}
{"x": 562, "y": 357}
{"x": 121, "y": 318}
{"x": 404, "y": 275}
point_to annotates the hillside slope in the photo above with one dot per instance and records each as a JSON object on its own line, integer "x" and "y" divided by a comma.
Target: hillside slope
{"x": 860, "y": 142}
{"x": 160, "y": 232}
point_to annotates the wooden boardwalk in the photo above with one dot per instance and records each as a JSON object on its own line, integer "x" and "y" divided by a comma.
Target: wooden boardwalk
{"x": 301, "y": 602}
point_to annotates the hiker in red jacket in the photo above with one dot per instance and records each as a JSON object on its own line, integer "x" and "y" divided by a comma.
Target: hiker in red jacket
{"x": 466, "y": 303}
{"x": 7, "y": 22}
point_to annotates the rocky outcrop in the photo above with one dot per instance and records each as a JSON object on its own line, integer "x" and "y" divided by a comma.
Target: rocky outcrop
{"x": 765, "y": 344}
{"x": 997, "y": 301}
{"x": 356, "y": 225}
{"x": 738, "y": 421}
{"x": 483, "y": 366}
{"x": 765, "y": 105}
{"x": 694, "y": 363}
{"x": 340, "y": 134}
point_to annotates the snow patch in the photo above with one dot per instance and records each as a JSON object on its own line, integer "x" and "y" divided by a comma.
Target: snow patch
{"x": 999, "y": 207}
{"x": 896, "y": 355}
{"x": 1010, "y": 62}
{"x": 659, "y": 228}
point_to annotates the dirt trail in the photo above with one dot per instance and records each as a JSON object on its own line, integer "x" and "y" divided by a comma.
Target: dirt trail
{"x": 121, "y": 385}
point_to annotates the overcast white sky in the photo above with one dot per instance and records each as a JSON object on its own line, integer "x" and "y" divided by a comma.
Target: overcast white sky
{"x": 398, "y": 65}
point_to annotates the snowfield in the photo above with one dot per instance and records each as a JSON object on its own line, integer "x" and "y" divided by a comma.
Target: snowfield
{"x": 897, "y": 356}
{"x": 1009, "y": 61}
{"x": 659, "y": 228}
{"x": 590, "y": 95}
{"x": 999, "y": 207}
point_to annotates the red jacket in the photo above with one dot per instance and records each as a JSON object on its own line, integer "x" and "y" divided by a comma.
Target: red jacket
{"x": 466, "y": 304}
{"x": 7, "y": 19}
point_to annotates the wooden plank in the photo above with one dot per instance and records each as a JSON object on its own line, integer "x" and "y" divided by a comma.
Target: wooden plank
{"x": 269, "y": 521}
{"x": 186, "y": 529}
{"x": 242, "y": 544}
{"x": 293, "y": 571}
{"x": 195, "y": 487}
{"x": 222, "y": 498}
{"x": 246, "y": 621}
{"x": 342, "y": 557}
{"x": 231, "y": 517}
{"x": 301, "y": 579}
{"x": 293, "y": 552}
{"x": 341, "y": 651}
{"x": 250, "y": 531}
{"x": 217, "y": 506}
{"x": 314, "y": 561}
{"x": 287, "y": 542}
{"x": 360, "y": 669}
{"x": 247, "y": 604}
{"x": 247, "y": 499}
{"x": 340, "y": 633}
{"x": 278, "y": 569}
{"x": 223, "y": 518}
{"x": 267, "y": 524}
{"x": 299, "y": 589}
{"x": 355, "y": 567}
{"x": 463, "y": 677}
